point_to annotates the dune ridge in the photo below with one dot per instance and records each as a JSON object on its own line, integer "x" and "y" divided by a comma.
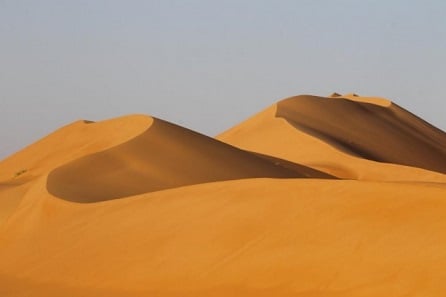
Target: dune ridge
{"x": 20, "y": 170}
{"x": 388, "y": 134}
{"x": 342, "y": 136}
{"x": 70, "y": 142}
{"x": 372, "y": 100}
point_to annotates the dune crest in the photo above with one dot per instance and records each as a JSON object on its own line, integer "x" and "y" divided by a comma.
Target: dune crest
{"x": 19, "y": 171}
{"x": 344, "y": 136}
{"x": 70, "y": 142}
{"x": 389, "y": 135}
{"x": 372, "y": 100}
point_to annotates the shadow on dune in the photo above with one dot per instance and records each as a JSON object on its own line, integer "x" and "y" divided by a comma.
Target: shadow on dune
{"x": 384, "y": 134}
{"x": 165, "y": 156}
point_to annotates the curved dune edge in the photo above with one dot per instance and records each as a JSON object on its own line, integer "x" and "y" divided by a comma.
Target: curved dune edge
{"x": 355, "y": 97}
{"x": 163, "y": 157}
{"x": 301, "y": 138}
{"x": 70, "y": 142}
{"x": 371, "y": 100}
{"x": 269, "y": 236}
{"x": 389, "y": 134}
{"x": 20, "y": 170}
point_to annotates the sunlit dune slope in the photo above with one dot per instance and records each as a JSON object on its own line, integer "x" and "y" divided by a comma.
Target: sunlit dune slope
{"x": 18, "y": 172}
{"x": 351, "y": 137}
{"x": 259, "y": 237}
{"x": 68, "y": 143}
{"x": 164, "y": 156}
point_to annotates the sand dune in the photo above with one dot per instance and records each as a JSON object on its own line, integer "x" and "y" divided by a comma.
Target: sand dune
{"x": 374, "y": 131}
{"x": 200, "y": 217}
{"x": 71, "y": 142}
{"x": 19, "y": 171}
{"x": 340, "y": 135}
{"x": 164, "y": 156}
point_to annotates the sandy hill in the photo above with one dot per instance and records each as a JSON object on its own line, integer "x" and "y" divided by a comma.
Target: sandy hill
{"x": 173, "y": 213}
{"x": 343, "y": 135}
{"x": 93, "y": 161}
{"x": 164, "y": 156}
{"x": 19, "y": 171}
{"x": 68, "y": 143}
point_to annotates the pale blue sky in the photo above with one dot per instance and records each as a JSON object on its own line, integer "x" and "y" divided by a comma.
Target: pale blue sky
{"x": 207, "y": 65}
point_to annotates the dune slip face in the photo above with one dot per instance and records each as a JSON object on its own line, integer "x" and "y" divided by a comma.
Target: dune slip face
{"x": 348, "y": 136}
{"x": 163, "y": 157}
{"x": 19, "y": 171}
{"x": 380, "y": 131}
{"x": 314, "y": 196}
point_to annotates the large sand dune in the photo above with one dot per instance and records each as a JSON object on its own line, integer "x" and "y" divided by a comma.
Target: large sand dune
{"x": 343, "y": 135}
{"x": 71, "y": 142}
{"x": 164, "y": 156}
{"x": 19, "y": 171}
{"x": 199, "y": 217}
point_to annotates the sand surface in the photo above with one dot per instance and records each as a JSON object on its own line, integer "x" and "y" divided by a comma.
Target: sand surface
{"x": 314, "y": 196}
{"x": 350, "y": 137}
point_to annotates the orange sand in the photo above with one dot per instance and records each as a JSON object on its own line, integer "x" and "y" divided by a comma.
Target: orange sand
{"x": 136, "y": 206}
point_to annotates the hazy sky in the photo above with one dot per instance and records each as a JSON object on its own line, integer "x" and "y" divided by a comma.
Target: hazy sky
{"x": 209, "y": 64}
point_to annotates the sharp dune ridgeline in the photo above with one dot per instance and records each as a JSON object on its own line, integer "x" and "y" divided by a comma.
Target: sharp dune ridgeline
{"x": 314, "y": 196}
{"x": 348, "y": 136}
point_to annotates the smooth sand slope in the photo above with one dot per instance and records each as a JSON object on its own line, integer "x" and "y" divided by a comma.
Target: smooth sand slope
{"x": 136, "y": 206}
{"x": 164, "y": 156}
{"x": 19, "y": 171}
{"x": 71, "y": 142}
{"x": 261, "y": 237}
{"x": 343, "y": 135}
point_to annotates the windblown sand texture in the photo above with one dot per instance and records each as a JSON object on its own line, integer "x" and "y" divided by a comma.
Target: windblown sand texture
{"x": 314, "y": 196}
